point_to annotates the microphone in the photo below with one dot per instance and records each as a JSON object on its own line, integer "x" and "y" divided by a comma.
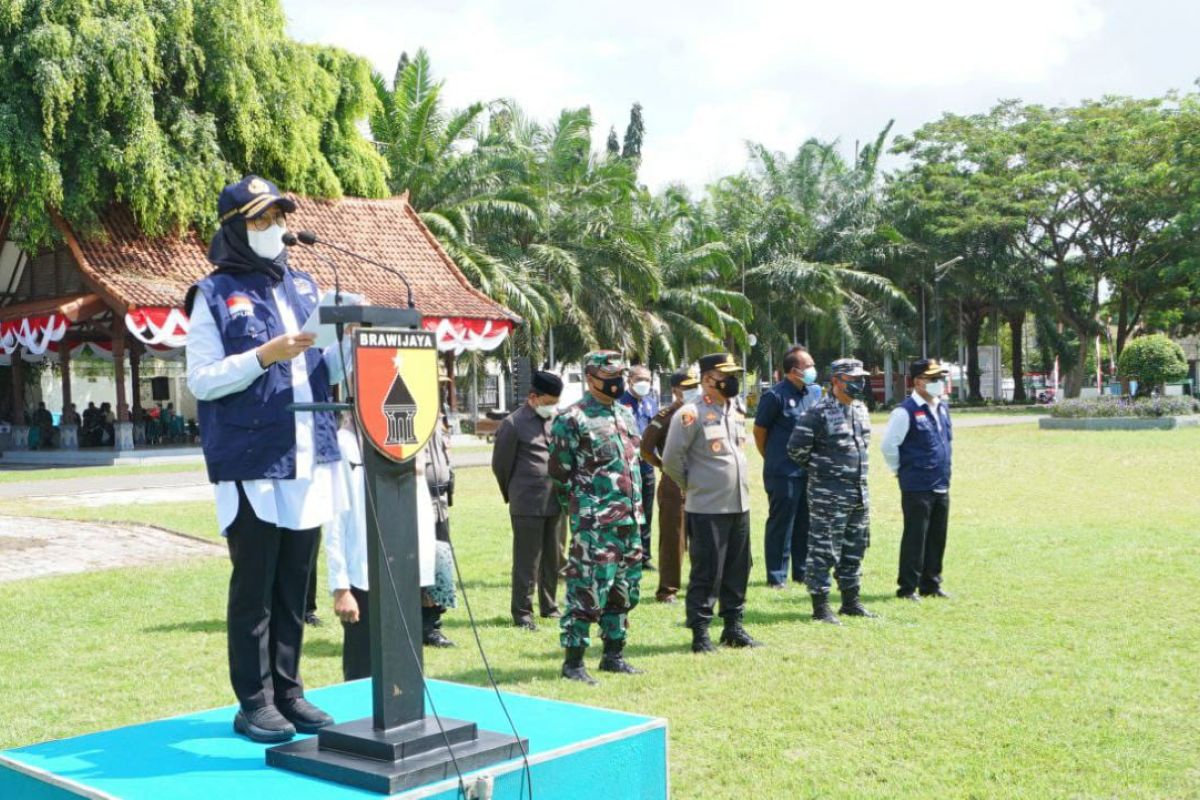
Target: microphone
{"x": 309, "y": 238}
{"x": 291, "y": 239}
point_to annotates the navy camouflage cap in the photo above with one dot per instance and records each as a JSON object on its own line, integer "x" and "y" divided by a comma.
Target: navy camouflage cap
{"x": 603, "y": 361}
{"x": 848, "y": 367}
{"x": 250, "y": 198}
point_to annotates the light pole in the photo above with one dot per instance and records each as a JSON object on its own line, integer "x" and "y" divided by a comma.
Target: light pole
{"x": 939, "y": 272}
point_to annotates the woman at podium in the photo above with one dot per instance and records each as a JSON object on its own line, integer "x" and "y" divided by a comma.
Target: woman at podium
{"x": 273, "y": 469}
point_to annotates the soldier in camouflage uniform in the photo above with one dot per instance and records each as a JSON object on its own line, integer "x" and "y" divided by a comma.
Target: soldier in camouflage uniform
{"x": 830, "y": 442}
{"x": 594, "y": 462}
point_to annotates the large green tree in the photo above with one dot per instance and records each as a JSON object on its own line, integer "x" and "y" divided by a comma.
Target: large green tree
{"x": 157, "y": 103}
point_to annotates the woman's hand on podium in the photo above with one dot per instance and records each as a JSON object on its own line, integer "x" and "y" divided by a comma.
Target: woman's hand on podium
{"x": 345, "y": 606}
{"x": 285, "y": 347}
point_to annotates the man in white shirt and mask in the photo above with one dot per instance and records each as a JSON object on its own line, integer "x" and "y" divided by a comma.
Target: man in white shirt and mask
{"x": 641, "y": 399}
{"x": 272, "y": 468}
{"x": 917, "y": 449}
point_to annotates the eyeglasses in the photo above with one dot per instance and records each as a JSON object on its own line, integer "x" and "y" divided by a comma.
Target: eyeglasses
{"x": 266, "y": 220}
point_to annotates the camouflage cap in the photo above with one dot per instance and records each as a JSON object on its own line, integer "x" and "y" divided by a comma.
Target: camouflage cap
{"x": 848, "y": 367}
{"x": 603, "y": 361}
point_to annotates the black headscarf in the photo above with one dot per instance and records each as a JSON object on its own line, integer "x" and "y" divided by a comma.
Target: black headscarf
{"x": 230, "y": 251}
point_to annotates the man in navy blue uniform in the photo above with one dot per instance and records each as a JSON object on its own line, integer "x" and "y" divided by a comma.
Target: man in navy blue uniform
{"x": 917, "y": 449}
{"x": 272, "y": 469}
{"x": 641, "y": 400}
{"x": 785, "y": 480}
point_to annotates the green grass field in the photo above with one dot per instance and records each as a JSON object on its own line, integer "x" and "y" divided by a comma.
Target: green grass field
{"x": 59, "y": 473}
{"x": 1066, "y": 666}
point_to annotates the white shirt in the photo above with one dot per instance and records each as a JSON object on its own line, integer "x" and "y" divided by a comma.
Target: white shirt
{"x": 897, "y": 429}
{"x": 306, "y": 501}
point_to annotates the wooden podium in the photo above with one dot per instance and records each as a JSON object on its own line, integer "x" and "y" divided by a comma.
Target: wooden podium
{"x": 399, "y": 747}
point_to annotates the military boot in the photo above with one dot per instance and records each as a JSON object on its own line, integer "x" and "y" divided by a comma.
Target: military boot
{"x": 700, "y": 641}
{"x": 735, "y": 635}
{"x": 821, "y": 610}
{"x": 573, "y": 668}
{"x": 431, "y": 627}
{"x": 613, "y": 661}
{"x": 852, "y": 606}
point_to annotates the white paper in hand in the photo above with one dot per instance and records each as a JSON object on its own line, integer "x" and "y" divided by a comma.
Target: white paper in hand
{"x": 327, "y": 334}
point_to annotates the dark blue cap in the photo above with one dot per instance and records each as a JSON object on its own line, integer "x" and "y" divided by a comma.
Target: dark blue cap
{"x": 250, "y": 198}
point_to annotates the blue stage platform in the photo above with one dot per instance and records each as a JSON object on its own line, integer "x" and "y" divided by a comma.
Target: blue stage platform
{"x": 575, "y": 752}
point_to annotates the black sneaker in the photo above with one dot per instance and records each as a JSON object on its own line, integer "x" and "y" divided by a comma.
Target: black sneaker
{"x": 304, "y": 715}
{"x": 700, "y": 641}
{"x": 526, "y": 624}
{"x": 265, "y": 725}
{"x": 938, "y": 592}
{"x": 911, "y": 596}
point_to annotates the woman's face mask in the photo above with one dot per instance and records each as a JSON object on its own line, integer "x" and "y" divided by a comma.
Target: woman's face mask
{"x": 641, "y": 388}
{"x": 267, "y": 243}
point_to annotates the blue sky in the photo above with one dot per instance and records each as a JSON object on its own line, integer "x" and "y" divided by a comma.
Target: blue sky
{"x": 713, "y": 74}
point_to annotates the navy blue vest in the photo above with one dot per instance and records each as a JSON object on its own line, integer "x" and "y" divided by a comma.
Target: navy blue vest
{"x": 925, "y": 451}
{"x": 250, "y": 435}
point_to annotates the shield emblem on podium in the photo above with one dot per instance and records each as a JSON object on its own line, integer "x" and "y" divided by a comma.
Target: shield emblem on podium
{"x": 395, "y": 389}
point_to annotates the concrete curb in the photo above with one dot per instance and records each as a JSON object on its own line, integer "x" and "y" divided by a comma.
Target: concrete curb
{"x": 1118, "y": 423}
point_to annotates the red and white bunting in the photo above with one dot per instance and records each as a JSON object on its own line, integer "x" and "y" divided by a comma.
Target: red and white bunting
{"x": 459, "y": 334}
{"x": 35, "y": 334}
{"x": 158, "y": 325}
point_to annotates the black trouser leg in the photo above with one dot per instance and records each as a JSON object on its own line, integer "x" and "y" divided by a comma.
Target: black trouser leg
{"x": 648, "y": 509}
{"x": 736, "y": 572}
{"x": 935, "y": 542}
{"x": 917, "y": 508}
{"x": 709, "y": 544}
{"x": 549, "y": 564}
{"x": 265, "y": 613}
{"x": 528, "y": 536}
{"x": 356, "y": 641}
{"x": 310, "y": 601}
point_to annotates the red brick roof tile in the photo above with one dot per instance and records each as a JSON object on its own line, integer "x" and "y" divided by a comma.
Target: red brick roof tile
{"x": 140, "y": 272}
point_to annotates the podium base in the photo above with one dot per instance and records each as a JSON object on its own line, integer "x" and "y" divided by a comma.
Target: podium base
{"x": 339, "y": 754}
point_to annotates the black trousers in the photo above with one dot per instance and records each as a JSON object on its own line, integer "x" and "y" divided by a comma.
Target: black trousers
{"x": 265, "y": 617}
{"x": 923, "y": 545}
{"x": 310, "y": 601}
{"x": 648, "y": 481}
{"x": 537, "y": 553}
{"x": 356, "y": 641}
{"x": 720, "y": 556}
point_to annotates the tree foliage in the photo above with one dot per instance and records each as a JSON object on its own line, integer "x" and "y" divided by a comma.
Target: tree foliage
{"x": 1152, "y": 361}
{"x": 158, "y": 103}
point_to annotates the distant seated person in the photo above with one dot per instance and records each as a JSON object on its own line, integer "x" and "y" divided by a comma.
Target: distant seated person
{"x": 93, "y": 426}
{"x": 70, "y": 416}
{"x": 173, "y": 423}
{"x": 43, "y": 420}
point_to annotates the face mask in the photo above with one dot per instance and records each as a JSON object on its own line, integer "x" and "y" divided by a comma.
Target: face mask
{"x": 809, "y": 375}
{"x": 266, "y": 244}
{"x": 691, "y": 395}
{"x": 613, "y": 387}
{"x": 728, "y": 387}
{"x": 545, "y": 412}
{"x": 857, "y": 388}
{"x": 935, "y": 388}
{"x": 641, "y": 388}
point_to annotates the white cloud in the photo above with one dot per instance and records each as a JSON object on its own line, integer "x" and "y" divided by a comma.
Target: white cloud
{"x": 712, "y": 74}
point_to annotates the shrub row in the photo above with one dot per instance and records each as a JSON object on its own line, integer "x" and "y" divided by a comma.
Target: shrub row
{"x": 1125, "y": 407}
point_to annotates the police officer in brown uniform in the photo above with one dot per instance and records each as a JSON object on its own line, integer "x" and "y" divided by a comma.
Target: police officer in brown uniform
{"x": 672, "y": 540}
{"x": 705, "y": 455}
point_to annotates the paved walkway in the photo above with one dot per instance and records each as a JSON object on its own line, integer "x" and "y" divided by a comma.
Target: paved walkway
{"x": 35, "y": 548}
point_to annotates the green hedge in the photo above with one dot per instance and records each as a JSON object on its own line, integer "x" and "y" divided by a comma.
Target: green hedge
{"x": 1124, "y": 407}
{"x": 1152, "y": 361}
